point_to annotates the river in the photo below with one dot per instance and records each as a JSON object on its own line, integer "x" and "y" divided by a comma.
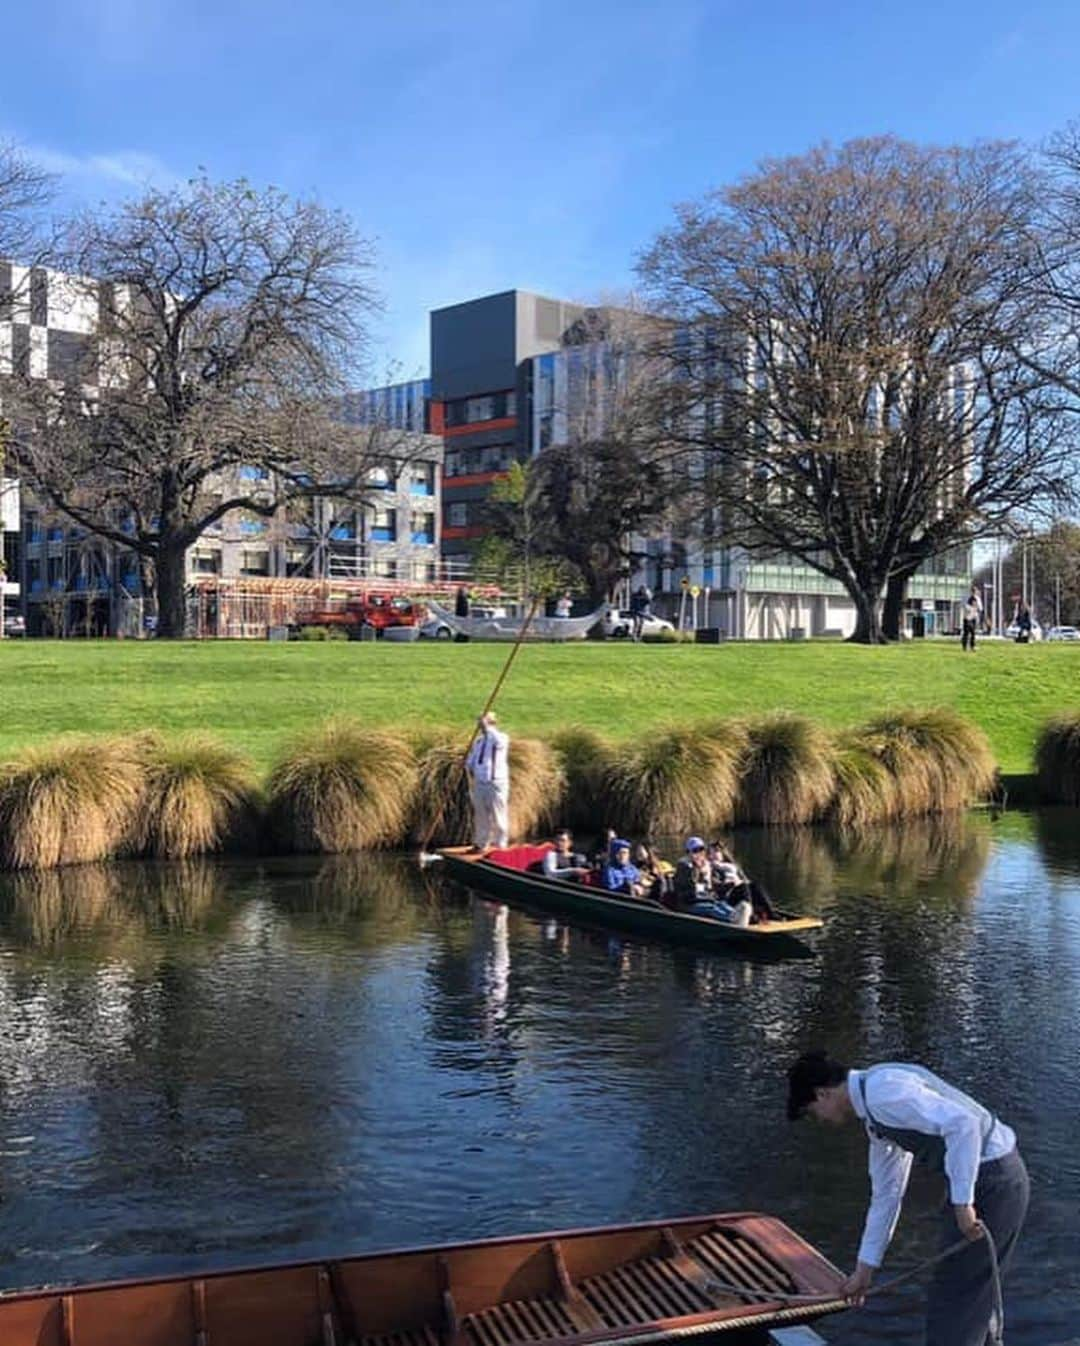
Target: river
{"x": 221, "y": 1062}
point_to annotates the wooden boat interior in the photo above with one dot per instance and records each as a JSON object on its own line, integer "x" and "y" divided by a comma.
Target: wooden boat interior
{"x": 642, "y": 1282}
{"x": 526, "y": 859}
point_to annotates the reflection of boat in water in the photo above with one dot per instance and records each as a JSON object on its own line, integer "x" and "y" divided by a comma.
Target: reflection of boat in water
{"x": 650, "y": 1283}
{"x": 511, "y": 876}
{"x": 509, "y": 628}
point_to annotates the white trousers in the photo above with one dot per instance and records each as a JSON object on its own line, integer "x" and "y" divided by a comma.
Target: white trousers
{"x": 491, "y": 814}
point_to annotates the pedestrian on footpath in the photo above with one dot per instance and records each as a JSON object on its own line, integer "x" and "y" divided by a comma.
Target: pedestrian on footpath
{"x": 972, "y": 620}
{"x": 911, "y": 1114}
{"x": 488, "y": 765}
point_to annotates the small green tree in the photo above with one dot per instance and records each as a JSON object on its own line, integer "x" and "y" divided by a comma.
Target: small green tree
{"x": 516, "y": 551}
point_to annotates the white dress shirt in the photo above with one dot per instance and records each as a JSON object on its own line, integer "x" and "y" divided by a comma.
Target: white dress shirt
{"x": 912, "y": 1098}
{"x": 488, "y": 760}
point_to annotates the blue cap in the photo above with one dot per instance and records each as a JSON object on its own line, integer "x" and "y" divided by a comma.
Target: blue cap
{"x": 694, "y": 844}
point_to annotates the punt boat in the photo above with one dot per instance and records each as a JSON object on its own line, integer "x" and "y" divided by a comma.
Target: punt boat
{"x": 514, "y": 874}
{"x": 628, "y": 1285}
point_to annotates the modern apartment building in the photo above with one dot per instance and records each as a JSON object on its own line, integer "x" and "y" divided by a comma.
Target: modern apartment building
{"x": 508, "y": 375}
{"x": 747, "y": 597}
{"x": 67, "y": 579}
{"x": 482, "y": 360}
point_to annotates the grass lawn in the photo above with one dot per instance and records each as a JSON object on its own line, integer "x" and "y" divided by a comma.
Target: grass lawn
{"x": 257, "y": 694}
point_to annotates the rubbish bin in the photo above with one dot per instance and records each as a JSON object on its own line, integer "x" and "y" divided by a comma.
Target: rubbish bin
{"x": 707, "y": 635}
{"x": 797, "y": 633}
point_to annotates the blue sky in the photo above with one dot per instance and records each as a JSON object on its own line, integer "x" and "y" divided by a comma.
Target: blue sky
{"x": 535, "y": 143}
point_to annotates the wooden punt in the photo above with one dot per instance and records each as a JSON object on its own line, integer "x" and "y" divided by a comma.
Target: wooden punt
{"x": 511, "y": 876}
{"x": 640, "y": 1284}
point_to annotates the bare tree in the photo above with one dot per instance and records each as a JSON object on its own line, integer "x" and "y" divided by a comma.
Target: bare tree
{"x": 229, "y": 322}
{"x": 25, "y": 189}
{"x": 609, "y": 475}
{"x": 847, "y": 358}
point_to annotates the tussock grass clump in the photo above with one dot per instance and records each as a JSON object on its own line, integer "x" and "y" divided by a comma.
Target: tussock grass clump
{"x": 1057, "y": 759}
{"x": 788, "y": 774}
{"x": 684, "y": 779}
{"x": 442, "y": 809}
{"x": 343, "y": 787}
{"x": 200, "y": 796}
{"x": 537, "y": 788}
{"x": 68, "y": 802}
{"x": 938, "y": 760}
{"x": 585, "y": 756}
{"x": 865, "y": 790}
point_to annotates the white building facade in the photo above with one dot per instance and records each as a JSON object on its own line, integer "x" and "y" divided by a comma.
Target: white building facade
{"x": 63, "y": 578}
{"x": 708, "y": 583}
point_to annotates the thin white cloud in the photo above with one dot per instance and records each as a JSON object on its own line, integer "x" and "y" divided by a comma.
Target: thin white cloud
{"x": 127, "y": 168}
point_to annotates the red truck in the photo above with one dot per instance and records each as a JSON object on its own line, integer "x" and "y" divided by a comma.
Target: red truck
{"x": 377, "y": 611}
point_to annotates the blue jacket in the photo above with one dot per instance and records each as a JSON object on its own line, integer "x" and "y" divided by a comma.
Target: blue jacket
{"x": 618, "y": 878}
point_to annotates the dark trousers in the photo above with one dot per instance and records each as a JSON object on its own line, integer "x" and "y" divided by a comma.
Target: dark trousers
{"x": 960, "y": 1303}
{"x": 967, "y": 635}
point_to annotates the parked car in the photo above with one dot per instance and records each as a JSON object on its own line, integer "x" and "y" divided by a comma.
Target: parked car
{"x": 436, "y": 628}
{"x": 14, "y": 624}
{"x": 1013, "y": 630}
{"x": 618, "y": 624}
{"x": 1063, "y": 633}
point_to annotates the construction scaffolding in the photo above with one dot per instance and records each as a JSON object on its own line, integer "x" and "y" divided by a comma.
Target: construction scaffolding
{"x": 251, "y": 608}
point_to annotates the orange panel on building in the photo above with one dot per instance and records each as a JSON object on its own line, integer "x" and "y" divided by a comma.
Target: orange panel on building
{"x": 504, "y": 423}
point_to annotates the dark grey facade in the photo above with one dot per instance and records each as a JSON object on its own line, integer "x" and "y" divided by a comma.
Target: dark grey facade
{"x": 481, "y": 388}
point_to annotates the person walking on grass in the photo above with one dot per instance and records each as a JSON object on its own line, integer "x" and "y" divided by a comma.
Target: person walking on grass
{"x": 911, "y": 1114}
{"x": 488, "y": 765}
{"x": 640, "y": 609}
{"x": 972, "y": 619}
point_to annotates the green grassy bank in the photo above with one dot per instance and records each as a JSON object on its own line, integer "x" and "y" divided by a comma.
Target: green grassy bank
{"x": 254, "y": 695}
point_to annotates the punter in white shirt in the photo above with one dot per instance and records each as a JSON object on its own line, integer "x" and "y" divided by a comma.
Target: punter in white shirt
{"x": 911, "y": 1114}
{"x": 488, "y": 765}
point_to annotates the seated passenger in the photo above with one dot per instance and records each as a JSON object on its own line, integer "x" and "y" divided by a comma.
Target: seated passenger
{"x": 618, "y": 874}
{"x": 564, "y": 862}
{"x": 732, "y": 885}
{"x": 695, "y": 891}
{"x": 655, "y": 873}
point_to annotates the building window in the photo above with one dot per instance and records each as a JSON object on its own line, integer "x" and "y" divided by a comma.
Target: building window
{"x": 452, "y": 463}
{"x": 476, "y": 410}
{"x": 296, "y": 560}
{"x": 254, "y": 563}
{"x": 423, "y": 528}
{"x": 380, "y": 478}
{"x": 205, "y": 561}
{"x": 457, "y": 515}
{"x": 384, "y": 568}
{"x": 252, "y": 523}
{"x": 253, "y": 473}
{"x": 384, "y": 525}
{"x": 422, "y": 478}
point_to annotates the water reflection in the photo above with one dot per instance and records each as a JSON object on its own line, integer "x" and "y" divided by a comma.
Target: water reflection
{"x": 47, "y": 908}
{"x": 221, "y": 1061}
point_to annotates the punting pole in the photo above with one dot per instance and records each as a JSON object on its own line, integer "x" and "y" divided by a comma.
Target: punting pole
{"x": 425, "y": 857}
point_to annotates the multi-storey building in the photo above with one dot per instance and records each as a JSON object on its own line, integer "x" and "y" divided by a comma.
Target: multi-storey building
{"x": 749, "y": 597}
{"x": 482, "y": 357}
{"x": 68, "y": 579}
{"x": 508, "y": 375}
